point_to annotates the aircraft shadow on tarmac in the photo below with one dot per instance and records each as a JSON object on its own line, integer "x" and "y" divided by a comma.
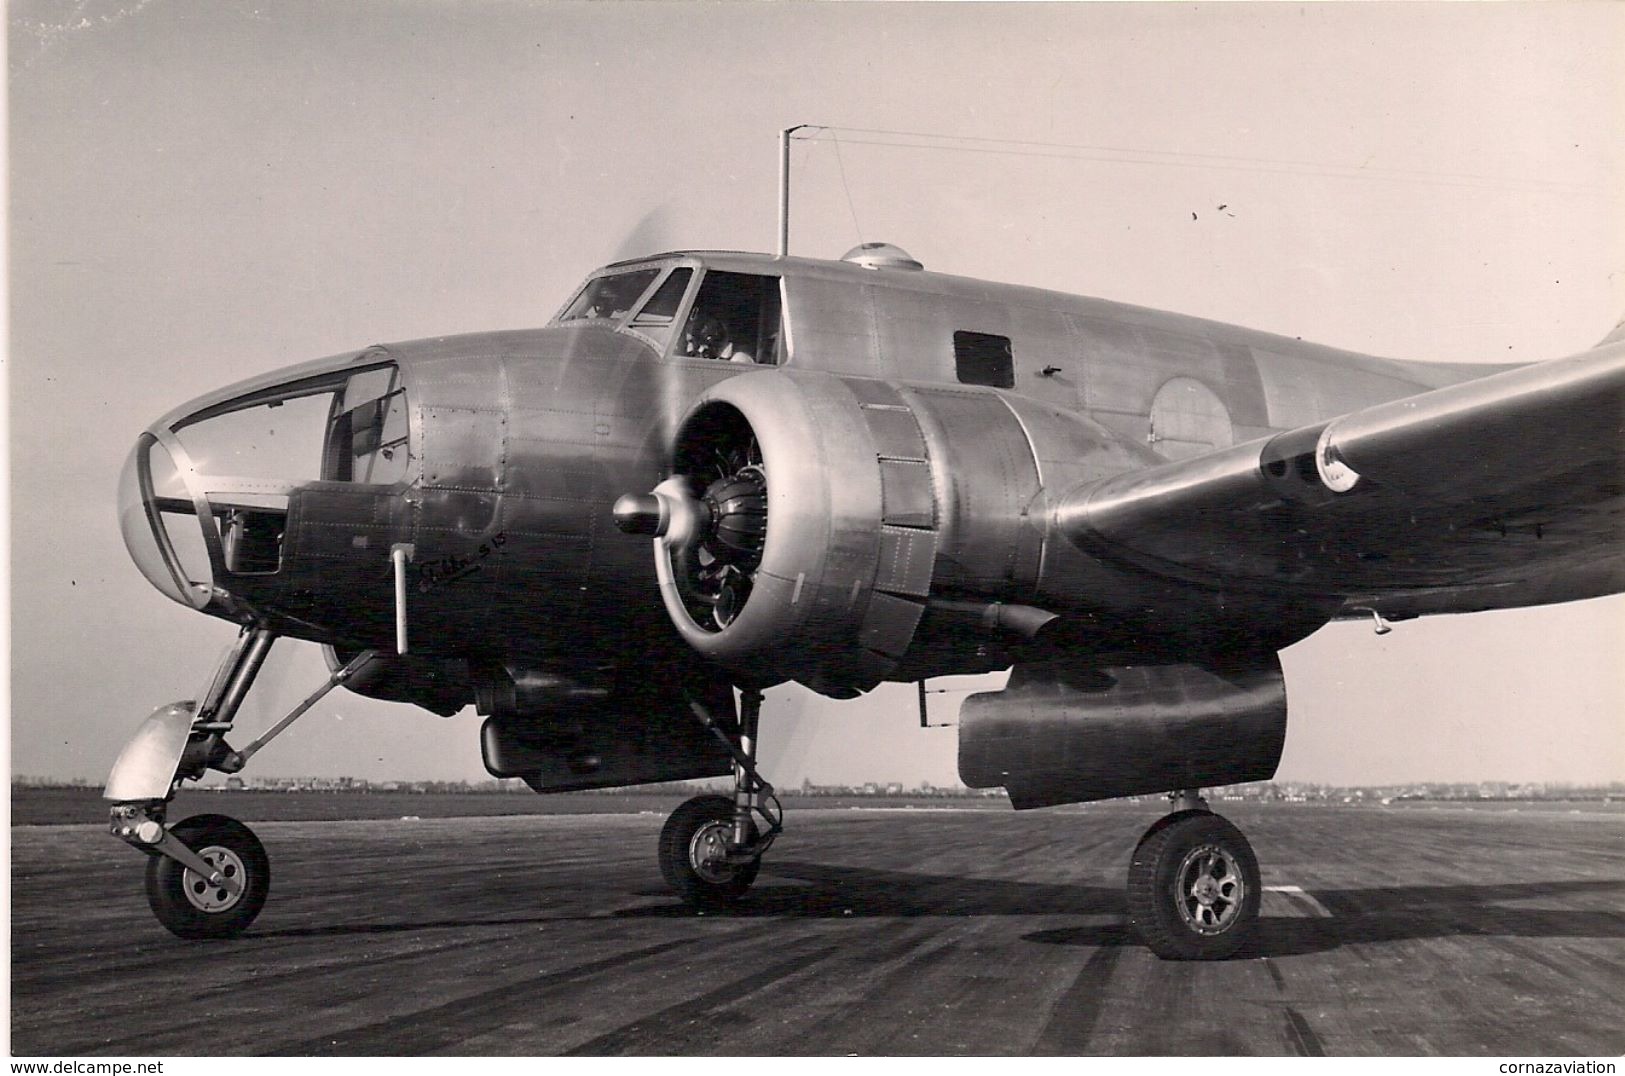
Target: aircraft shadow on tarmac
{"x": 1403, "y": 913}
{"x": 815, "y": 891}
{"x": 822, "y": 891}
{"x": 1381, "y": 914}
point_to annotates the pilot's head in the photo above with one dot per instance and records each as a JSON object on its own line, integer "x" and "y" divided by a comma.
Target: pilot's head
{"x": 704, "y": 337}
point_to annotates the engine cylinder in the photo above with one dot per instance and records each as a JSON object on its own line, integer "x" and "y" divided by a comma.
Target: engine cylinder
{"x": 737, "y": 507}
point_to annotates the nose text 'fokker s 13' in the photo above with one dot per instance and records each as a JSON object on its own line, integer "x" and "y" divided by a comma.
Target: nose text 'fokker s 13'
{"x": 852, "y": 471}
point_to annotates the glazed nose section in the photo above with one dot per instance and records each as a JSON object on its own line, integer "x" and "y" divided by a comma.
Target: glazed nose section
{"x": 206, "y": 497}
{"x": 158, "y": 518}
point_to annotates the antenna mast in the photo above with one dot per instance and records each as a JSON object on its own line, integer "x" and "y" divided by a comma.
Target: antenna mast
{"x": 784, "y": 187}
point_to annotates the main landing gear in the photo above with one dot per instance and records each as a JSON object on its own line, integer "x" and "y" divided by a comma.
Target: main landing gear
{"x": 711, "y": 847}
{"x": 207, "y": 876}
{"x": 1193, "y": 884}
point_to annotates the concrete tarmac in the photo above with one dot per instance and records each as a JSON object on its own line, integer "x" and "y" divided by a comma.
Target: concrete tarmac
{"x": 875, "y": 932}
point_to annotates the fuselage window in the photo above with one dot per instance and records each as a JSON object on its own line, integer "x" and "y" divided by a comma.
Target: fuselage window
{"x": 367, "y": 433}
{"x": 984, "y": 359}
{"x": 736, "y": 318}
{"x": 659, "y": 315}
{"x": 611, "y": 296}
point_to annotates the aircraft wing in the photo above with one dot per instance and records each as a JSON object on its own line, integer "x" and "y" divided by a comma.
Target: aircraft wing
{"x": 1499, "y": 492}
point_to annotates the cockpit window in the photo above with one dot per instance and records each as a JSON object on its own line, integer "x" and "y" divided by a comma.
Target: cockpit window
{"x": 736, "y": 318}
{"x": 610, "y": 296}
{"x": 659, "y": 314}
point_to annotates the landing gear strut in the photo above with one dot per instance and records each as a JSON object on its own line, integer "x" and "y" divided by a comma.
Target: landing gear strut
{"x": 207, "y": 876}
{"x": 1193, "y": 884}
{"x": 711, "y": 847}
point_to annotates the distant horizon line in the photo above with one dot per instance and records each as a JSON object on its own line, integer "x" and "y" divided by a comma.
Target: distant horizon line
{"x": 440, "y": 786}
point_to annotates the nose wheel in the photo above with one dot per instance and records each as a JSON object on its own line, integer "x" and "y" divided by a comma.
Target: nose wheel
{"x": 1193, "y": 887}
{"x": 223, "y": 903}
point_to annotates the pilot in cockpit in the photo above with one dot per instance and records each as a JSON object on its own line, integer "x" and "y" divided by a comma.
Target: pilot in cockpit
{"x": 707, "y": 337}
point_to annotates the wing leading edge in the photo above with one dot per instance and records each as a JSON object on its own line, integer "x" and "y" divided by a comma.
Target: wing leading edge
{"x": 1500, "y": 492}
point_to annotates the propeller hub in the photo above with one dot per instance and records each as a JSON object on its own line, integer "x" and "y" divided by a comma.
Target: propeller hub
{"x": 641, "y": 513}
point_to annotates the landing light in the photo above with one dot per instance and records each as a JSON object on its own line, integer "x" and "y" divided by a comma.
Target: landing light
{"x": 1337, "y": 476}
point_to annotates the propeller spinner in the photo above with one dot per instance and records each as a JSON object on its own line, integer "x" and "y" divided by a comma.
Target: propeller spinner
{"x": 714, "y": 540}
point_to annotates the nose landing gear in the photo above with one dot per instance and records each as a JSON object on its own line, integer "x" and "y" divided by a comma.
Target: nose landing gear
{"x": 207, "y": 876}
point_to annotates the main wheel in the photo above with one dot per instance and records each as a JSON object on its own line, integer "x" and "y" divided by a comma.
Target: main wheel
{"x": 1193, "y": 887}
{"x": 185, "y": 903}
{"x": 693, "y": 851}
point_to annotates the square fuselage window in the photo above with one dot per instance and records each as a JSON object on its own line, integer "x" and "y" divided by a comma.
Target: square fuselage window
{"x": 984, "y": 359}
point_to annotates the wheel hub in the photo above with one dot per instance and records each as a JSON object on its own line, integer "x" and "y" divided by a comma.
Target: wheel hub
{"x": 1209, "y": 890}
{"x": 708, "y": 852}
{"x": 214, "y": 898}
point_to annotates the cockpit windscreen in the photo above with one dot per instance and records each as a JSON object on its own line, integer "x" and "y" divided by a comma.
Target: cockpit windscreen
{"x": 611, "y": 296}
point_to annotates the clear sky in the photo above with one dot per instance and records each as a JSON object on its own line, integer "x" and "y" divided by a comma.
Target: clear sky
{"x": 199, "y": 193}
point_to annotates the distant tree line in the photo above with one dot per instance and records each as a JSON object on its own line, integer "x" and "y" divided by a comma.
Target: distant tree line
{"x": 1268, "y": 791}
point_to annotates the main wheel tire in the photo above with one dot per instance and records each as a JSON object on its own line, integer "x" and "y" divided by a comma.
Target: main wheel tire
{"x": 691, "y": 846}
{"x": 1193, "y": 887}
{"x": 186, "y": 904}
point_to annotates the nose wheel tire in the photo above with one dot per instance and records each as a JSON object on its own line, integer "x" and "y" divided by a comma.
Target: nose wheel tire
{"x": 186, "y": 904}
{"x": 1193, "y": 887}
{"x": 693, "y": 853}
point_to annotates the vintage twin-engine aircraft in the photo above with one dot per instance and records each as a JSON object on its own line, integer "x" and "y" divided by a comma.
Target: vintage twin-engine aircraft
{"x": 852, "y": 471}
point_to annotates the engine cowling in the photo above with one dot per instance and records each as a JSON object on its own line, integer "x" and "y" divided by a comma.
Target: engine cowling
{"x": 792, "y": 542}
